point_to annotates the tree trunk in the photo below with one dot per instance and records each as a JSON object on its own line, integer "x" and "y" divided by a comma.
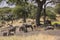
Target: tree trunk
{"x": 38, "y": 15}
{"x": 11, "y": 21}
{"x": 40, "y": 7}
{"x": 44, "y": 14}
{"x": 24, "y": 18}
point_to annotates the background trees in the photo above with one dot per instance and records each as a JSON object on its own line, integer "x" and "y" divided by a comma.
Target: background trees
{"x": 24, "y": 9}
{"x": 4, "y": 12}
{"x": 50, "y": 13}
{"x": 57, "y": 8}
{"x": 40, "y": 4}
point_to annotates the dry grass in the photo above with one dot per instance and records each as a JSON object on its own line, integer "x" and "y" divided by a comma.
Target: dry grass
{"x": 33, "y": 37}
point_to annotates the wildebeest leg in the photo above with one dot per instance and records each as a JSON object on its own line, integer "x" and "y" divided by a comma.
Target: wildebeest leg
{"x": 21, "y": 29}
{"x": 32, "y": 28}
{"x": 9, "y": 33}
{"x": 14, "y": 30}
{"x": 25, "y": 29}
{"x": 5, "y": 34}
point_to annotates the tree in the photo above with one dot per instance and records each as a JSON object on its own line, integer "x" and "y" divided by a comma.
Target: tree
{"x": 17, "y": 2}
{"x": 23, "y": 4}
{"x": 5, "y": 14}
{"x": 50, "y": 13}
{"x": 57, "y": 8}
{"x": 40, "y": 4}
{"x": 32, "y": 11}
{"x": 4, "y": 11}
{"x": 21, "y": 12}
{"x": 24, "y": 10}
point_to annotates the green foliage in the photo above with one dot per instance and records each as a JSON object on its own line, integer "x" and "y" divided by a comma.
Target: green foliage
{"x": 5, "y": 10}
{"x": 19, "y": 11}
{"x": 0, "y": 0}
{"x": 5, "y": 13}
{"x": 50, "y": 13}
{"x": 32, "y": 10}
{"x": 17, "y": 2}
{"x": 57, "y": 8}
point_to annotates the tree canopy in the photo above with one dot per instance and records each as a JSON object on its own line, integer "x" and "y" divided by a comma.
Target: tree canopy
{"x": 24, "y": 9}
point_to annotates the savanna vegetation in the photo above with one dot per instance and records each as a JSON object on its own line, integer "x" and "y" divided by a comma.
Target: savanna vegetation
{"x": 35, "y": 10}
{"x": 24, "y": 9}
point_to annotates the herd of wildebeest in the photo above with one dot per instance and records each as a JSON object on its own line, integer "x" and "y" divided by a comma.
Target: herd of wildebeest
{"x": 11, "y": 30}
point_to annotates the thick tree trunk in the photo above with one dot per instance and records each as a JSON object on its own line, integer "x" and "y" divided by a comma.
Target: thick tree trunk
{"x": 40, "y": 7}
{"x": 38, "y": 15}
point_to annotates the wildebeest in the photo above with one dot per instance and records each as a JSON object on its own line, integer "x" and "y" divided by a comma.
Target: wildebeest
{"x": 12, "y": 29}
{"x": 25, "y": 26}
{"x": 5, "y": 34}
{"x": 49, "y": 28}
{"x": 7, "y": 31}
{"x": 57, "y": 25}
{"x": 48, "y": 22}
{"x": 29, "y": 26}
{"x": 22, "y": 28}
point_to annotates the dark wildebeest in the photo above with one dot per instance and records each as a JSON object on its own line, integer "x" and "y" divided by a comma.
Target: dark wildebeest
{"x": 48, "y": 22}
{"x": 25, "y": 26}
{"x": 5, "y": 34}
{"x": 56, "y": 24}
{"x": 22, "y": 28}
{"x": 29, "y": 26}
{"x": 49, "y": 28}
{"x": 12, "y": 29}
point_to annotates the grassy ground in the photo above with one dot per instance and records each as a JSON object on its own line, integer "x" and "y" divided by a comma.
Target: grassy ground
{"x": 33, "y": 37}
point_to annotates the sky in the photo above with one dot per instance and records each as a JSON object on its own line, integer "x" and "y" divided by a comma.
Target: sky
{"x": 4, "y": 4}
